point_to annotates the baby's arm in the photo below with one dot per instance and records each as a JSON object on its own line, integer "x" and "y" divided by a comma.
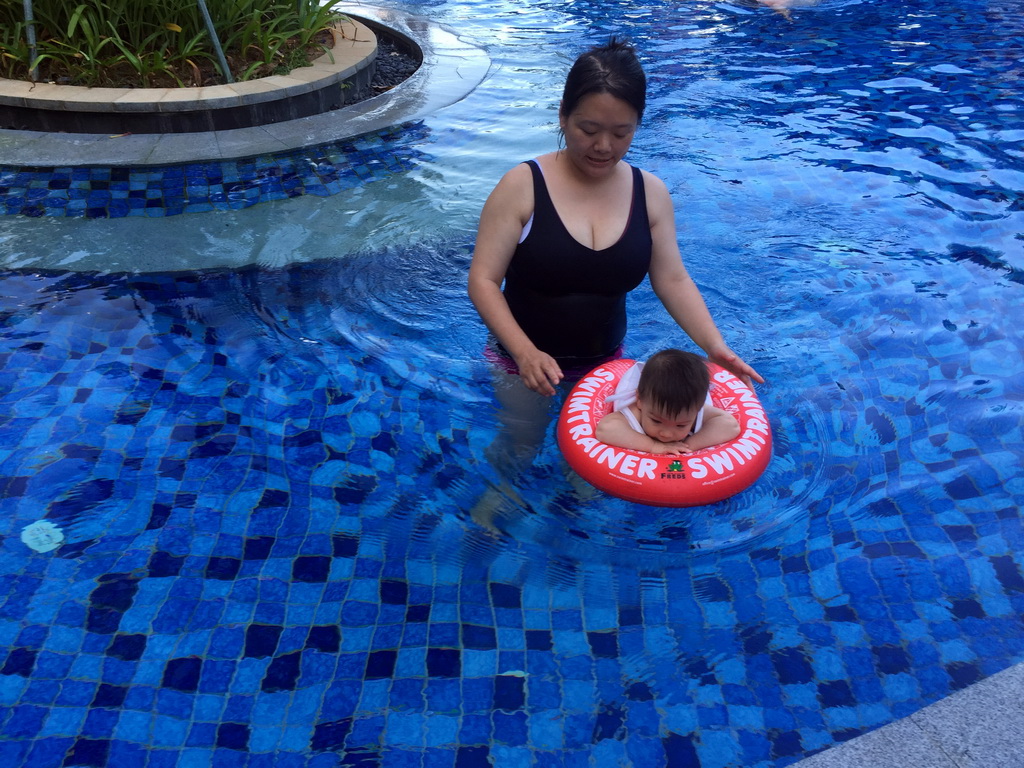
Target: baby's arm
{"x": 719, "y": 427}
{"x": 614, "y": 430}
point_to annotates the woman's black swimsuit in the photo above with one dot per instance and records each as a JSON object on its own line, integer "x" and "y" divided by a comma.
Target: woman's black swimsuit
{"x": 569, "y": 299}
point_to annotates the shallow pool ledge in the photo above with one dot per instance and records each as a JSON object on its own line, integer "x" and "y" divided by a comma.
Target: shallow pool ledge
{"x": 451, "y": 69}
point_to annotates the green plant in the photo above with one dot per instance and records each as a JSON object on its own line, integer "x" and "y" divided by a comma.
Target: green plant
{"x": 14, "y": 50}
{"x": 140, "y": 42}
{"x": 314, "y": 18}
{"x": 148, "y": 58}
{"x": 261, "y": 37}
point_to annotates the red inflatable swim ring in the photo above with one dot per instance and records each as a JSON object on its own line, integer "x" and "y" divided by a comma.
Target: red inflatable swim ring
{"x": 684, "y": 480}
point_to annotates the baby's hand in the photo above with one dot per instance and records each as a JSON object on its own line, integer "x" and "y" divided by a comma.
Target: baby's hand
{"x": 671, "y": 449}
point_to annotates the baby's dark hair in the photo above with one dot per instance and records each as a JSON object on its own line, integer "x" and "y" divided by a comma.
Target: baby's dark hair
{"x": 611, "y": 68}
{"x": 673, "y": 381}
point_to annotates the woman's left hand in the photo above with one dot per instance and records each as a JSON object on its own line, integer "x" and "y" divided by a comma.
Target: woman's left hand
{"x": 729, "y": 360}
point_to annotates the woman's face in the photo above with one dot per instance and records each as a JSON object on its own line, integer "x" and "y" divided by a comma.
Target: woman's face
{"x": 598, "y": 133}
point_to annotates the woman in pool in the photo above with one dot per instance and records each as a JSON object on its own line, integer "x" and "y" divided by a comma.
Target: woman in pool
{"x": 569, "y": 234}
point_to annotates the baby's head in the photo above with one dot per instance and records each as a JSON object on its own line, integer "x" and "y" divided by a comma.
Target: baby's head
{"x": 672, "y": 389}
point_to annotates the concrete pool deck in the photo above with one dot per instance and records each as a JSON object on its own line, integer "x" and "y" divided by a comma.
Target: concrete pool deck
{"x": 981, "y": 725}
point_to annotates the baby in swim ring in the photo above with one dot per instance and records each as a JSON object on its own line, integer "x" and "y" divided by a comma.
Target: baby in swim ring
{"x": 664, "y": 407}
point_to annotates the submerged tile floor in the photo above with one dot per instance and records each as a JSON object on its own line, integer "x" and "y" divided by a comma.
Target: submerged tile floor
{"x": 258, "y": 571}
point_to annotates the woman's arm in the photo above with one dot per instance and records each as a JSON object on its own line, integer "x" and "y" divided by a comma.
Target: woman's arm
{"x": 504, "y": 215}
{"x": 676, "y": 289}
{"x": 719, "y": 427}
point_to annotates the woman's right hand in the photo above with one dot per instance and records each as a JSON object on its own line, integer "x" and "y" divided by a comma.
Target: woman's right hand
{"x": 539, "y": 371}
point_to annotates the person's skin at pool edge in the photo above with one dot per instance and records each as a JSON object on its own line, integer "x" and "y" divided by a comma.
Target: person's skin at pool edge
{"x": 590, "y": 189}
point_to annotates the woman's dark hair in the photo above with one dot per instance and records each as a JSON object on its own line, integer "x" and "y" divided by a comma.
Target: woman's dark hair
{"x": 673, "y": 381}
{"x": 611, "y": 68}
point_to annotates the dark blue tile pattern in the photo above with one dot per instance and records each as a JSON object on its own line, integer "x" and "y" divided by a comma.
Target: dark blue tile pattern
{"x": 292, "y": 601}
{"x": 150, "y": 191}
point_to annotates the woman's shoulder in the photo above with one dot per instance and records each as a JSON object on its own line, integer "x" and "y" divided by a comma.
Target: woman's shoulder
{"x": 659, "y": 201}
{"x": 519, "y": 175}
{"x": 513, "y": 194}
{"x": 653, "y": 183}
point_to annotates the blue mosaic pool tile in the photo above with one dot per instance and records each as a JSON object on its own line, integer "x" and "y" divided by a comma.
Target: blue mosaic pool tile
{"x": 198, "y": 187}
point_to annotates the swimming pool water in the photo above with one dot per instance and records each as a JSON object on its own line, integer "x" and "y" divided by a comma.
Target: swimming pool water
{"x": 259, "y": 430}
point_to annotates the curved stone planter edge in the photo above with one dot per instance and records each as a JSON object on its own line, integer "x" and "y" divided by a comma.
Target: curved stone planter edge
{"x": 451, "y": 68}
{"x": 355, "y": 46}
{"x": 303, "y": 91}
